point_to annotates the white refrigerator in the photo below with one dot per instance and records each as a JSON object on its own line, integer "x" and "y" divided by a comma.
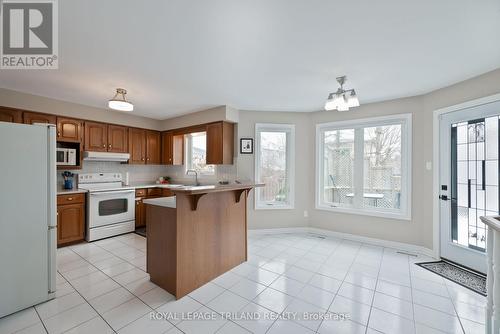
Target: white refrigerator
{"x": 28, "y": 222}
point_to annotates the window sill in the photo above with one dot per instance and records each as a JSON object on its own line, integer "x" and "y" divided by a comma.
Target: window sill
{"x": 364, "y": 212}
{"x": 274, "y": 207}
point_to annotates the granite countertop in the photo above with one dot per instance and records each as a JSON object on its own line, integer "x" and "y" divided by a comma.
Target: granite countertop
{"x": 62, "y": 191}
{"x": 188, "y": 189}
{"x": 167, "y": 202}
{"x": 203, "y": 189}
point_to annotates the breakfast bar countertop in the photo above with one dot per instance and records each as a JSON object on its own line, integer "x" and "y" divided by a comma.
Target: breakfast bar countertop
{"x": 167, "y": 202}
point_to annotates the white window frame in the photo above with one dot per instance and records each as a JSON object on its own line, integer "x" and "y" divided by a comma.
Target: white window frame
{"x": 290, "y": 156}
{"x": 188, "y": 148}
{"x": 406, "y": 171}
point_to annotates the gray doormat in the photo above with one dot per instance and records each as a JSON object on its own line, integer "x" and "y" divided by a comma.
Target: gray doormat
{"x": 466, "y": 278}
{"x": 141, "y": 231}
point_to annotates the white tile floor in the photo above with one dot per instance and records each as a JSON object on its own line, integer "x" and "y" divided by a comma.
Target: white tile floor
{"x": 296, "y": 283}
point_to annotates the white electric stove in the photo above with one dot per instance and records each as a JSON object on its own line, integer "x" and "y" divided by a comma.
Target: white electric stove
{"x": 110, "y": 206}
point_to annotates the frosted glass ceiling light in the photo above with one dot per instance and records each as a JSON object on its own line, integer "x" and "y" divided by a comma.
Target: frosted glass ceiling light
{"x": 343, "y": 99}
{"x": 119, "y": 102}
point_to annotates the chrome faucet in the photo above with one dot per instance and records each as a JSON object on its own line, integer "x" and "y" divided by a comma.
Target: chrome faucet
{"x": 195, "y": 176}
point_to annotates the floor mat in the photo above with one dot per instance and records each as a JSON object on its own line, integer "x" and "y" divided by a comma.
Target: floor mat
{"x": 464, "y": 277}
{"x": 141, "y": 231}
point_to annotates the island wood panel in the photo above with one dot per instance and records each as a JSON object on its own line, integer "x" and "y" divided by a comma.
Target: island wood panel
{"x": 162, "y": 242}
{"x": 210, "y": 240}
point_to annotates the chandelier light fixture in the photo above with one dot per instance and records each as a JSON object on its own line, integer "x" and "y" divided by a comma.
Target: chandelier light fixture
{"x": 342, "y": 99}
{"x": 119, "y": 102}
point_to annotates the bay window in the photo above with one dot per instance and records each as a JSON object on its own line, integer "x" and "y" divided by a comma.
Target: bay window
{"x": 364, "y": 166}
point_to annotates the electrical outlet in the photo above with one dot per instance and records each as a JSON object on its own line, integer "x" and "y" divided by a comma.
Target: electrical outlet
{"x": 306, "y": 214}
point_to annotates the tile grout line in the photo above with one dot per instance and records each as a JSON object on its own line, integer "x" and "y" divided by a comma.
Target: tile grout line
{"x": 120, "y": 285}
{"x": 41, "y": 321}
{"x": 375, "y": 290}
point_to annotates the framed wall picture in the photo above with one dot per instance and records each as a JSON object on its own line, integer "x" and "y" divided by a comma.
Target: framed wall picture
{"x": 246, "y": 145}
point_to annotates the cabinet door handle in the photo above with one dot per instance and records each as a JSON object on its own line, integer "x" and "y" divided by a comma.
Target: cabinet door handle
{"x": 148, "y": 159}
{"x": 109, "y": 145}
{"x": 70, "y": 198}
{"x": 58, "y": 134}
{"x": 142, "y": 159}
{"x": 104, "y": 145}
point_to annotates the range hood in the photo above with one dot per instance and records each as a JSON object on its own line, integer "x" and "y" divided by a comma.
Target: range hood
{"x": 105, "y": 156}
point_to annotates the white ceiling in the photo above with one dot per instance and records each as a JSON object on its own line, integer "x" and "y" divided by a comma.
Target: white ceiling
{"x": 178, "y": 56}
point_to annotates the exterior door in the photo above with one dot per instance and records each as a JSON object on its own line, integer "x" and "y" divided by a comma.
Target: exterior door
{"x": 469, "y": 186}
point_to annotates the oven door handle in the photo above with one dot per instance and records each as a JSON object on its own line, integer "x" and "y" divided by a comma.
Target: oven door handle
{"x": 102, "y": 193}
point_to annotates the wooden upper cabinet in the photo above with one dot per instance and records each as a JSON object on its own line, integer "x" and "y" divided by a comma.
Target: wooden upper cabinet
{"x": 153, "y": 147}
{"x": 167, "y": 148}
{"x": 137, "y": 146}
{"x": 220, "y": 143}
{"x": 11, "y": 115}
{"x": 34, "y": 117}
{"x": 178, "y": 150}
{"x": 69, "y": 129}
{"x": 96, "y": 137}
{"x": 117, "y": 139}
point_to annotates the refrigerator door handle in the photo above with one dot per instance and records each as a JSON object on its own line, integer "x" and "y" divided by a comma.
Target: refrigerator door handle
{"x": 52, "y": 246}
{"x": 52, "y": 207}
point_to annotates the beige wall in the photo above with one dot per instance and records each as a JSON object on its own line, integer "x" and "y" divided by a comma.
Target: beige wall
{"x": 258, "y": 219}
{"x": 10, "y": 98}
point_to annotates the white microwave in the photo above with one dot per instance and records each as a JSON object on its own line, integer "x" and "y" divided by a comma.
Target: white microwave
{"x": 66, "y": 156}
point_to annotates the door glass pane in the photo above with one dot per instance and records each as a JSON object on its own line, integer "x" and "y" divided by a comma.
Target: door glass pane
{"x": 474, "y": 173}
{"x": 338, "y": 168}
{"x": 113, "y": 206}
{"x": 382, "y": 167}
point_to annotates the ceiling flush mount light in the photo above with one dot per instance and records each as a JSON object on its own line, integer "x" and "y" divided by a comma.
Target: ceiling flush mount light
{"x": 119, "y": 102}
{"x": 342, "y": 99}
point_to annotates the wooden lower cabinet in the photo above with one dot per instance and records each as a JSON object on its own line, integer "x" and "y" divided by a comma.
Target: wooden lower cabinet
{"x": 70, "y": 220}
{"x": 140, "y": 217}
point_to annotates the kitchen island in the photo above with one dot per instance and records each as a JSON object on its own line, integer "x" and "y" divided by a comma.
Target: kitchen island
{"x": 196, "y": 236}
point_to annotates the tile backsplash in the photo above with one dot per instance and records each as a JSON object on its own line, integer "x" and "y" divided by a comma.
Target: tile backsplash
{"x": 150, "y": 173}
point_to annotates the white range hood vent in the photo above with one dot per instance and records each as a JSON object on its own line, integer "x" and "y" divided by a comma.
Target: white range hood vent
{"x": 105, "y": 156}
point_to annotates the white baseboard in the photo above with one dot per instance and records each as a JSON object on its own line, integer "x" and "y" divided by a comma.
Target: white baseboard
{"x": 280, "y": 230}
{"x": 413, "y": 249}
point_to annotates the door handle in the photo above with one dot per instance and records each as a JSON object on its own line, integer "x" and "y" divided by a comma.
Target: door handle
{"x": 444, "y": 197}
